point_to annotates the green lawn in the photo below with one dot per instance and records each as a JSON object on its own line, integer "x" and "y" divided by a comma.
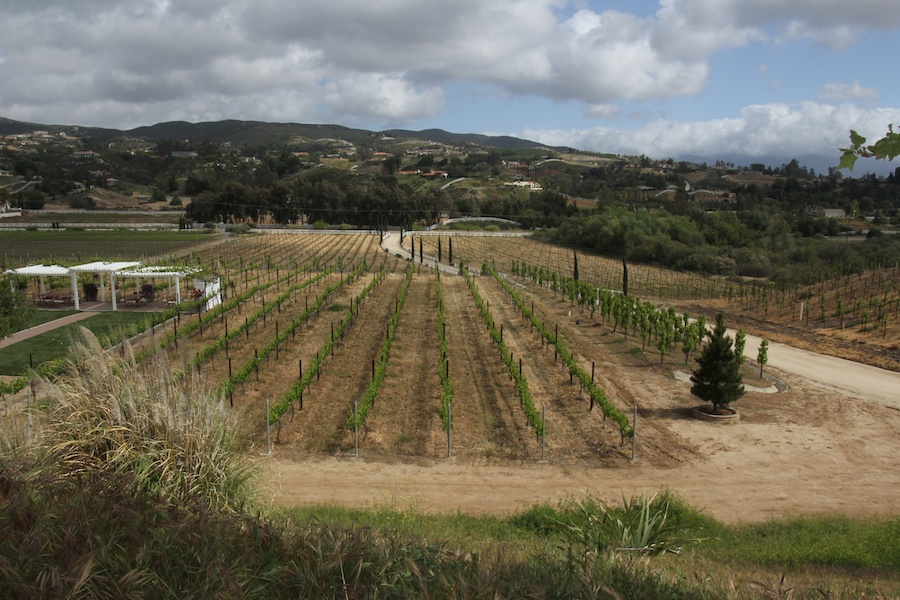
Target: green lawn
{"x": 55, "y": 344}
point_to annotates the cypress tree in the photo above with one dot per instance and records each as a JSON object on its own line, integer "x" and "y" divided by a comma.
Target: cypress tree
{"x": 439, "y": 250}
{"x": 740, "y": 342}
{"x": 762, "y": 356}
{"x": 717, "y": 378}
{"x": 575, "y": 270}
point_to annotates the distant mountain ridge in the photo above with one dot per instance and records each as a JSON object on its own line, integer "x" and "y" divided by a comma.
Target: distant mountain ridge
{"x": 263, "y": 133}
{"x": 259, "y": 133}
{"x": 503, "y": 142}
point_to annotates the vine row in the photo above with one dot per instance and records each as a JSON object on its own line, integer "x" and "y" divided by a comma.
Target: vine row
{"x": 279, "y": 409}
{"x": 598, "y": 396}
{"x": 253, "y": 363}
{"x": 531, "y": 413}
{"x": 252, "y": 319}
{"x": 447, "y": 390}
{"x": 358, "y": 417}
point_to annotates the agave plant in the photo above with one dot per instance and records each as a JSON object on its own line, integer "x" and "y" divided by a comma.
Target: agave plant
{"x": 641, "y": 525}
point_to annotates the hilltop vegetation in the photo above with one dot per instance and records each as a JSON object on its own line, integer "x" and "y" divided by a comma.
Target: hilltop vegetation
{"x": 758, "y": 221}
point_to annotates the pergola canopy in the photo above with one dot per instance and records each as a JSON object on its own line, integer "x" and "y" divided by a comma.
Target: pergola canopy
{"x": 103, "y": 267}
{"x": 40, "y": 271}
{"x": 114, "y": 269}
{"x": 159, "y": 272}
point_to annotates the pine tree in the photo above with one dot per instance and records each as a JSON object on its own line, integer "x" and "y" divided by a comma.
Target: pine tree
{"x": 717, "y": 378}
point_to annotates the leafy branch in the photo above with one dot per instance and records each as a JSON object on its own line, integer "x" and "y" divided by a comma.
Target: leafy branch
{"x": 887, "y": 148}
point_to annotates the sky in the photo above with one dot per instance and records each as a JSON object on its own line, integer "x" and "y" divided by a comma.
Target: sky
{"x": 764, "y": 80}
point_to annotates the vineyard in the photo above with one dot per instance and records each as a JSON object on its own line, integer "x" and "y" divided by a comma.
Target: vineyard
{"x": 335, "y": 346}
{"x": 855, "y": 315}
{"x": 326, "y": 343}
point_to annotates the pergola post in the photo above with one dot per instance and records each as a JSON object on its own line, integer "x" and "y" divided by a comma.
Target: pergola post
{"x": 103, "y": 291}
{"x": 74, "y": 279}
{"x": 112, "y": 286}
{"x": 177, "y": 289}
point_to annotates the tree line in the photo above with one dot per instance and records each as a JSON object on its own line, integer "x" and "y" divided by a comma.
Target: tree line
{"x": 758, "y": 243}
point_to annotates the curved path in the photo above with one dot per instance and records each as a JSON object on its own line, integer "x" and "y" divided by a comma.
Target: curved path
{"x": 842, "y": 375}
{"x": 43, "y": 328}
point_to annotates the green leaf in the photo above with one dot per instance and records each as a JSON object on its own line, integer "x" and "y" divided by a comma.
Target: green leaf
{"x": 856, "y": 140}
{"x": 848, "y": 160}
{"x": 888, "y": 147}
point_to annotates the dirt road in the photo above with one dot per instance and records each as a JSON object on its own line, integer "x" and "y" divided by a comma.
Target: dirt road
{"x": 850, "y": 378}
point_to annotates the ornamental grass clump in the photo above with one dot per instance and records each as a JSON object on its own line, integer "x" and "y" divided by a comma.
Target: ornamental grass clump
{"x": 168, "y": 434}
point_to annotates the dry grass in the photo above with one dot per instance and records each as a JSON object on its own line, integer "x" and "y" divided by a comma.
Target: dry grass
{"x": 174, "y": 438}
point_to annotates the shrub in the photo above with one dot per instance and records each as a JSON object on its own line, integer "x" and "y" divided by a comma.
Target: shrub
{"x": 83, "y": 203}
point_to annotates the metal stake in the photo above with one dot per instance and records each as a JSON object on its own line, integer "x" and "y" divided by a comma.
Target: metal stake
{"x": 268, "y": 430}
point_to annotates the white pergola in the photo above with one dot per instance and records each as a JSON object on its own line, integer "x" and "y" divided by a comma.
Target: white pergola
{"x": 113, "y": 269}
{"x": 40, "y": 271}
{"x": 102, "y": 268}
{"x": 172, "y": 273}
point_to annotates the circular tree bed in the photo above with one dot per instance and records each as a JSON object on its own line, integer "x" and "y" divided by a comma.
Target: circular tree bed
{"x": 717, "y": 415}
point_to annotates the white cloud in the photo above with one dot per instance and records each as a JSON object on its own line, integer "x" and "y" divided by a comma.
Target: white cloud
{"x": 352, "y": 60}
{"x": 383, "y": 97}
{"x": 761, "y": 130}
{"x": 150, "y": 53}
{"x": 844, "y": 92}
{"x": 603, "y": 111}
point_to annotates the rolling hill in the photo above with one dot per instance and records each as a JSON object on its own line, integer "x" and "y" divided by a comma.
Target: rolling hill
{"x": 262, "y": 133}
